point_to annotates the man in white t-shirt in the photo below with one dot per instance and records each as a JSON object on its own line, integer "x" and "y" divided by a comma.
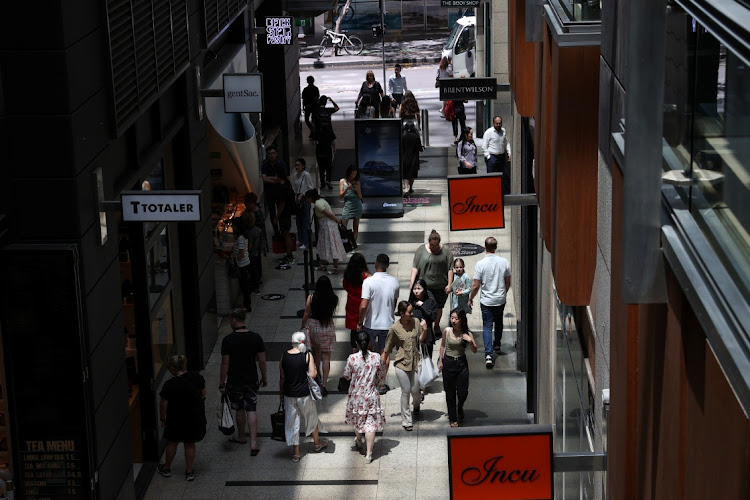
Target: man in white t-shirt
{"x": 492, "y": 275}
{"x": 379, "y": 297}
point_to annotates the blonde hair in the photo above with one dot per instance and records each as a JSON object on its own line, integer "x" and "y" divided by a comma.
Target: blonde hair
{"x": 178, "y": 362}
{"x": 298, "y": 341}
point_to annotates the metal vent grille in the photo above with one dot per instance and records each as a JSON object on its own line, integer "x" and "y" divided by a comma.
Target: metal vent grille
{"x": 149, "y": 48}
{"x": 218, "y": 14}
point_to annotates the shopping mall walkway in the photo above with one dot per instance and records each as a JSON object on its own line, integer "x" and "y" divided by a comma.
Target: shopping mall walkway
{"x": 406, "y": 464}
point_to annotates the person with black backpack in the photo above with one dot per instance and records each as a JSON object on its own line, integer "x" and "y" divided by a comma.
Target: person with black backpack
{"x": 325, "y": 137}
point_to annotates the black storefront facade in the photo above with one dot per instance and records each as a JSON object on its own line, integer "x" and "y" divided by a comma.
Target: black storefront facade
{"x": 97, "y": 99}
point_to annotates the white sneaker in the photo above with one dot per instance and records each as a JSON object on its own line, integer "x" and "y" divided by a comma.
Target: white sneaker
{"x": 488, "y": 362}
{"x": 301, "y": 246}
{"x": 368, "y": 459}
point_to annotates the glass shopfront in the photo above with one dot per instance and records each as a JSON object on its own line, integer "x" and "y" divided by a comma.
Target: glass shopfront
{"x": 574, "y": 403}
{"x": 707, "y": 137}
{"x": 406, "y": 15}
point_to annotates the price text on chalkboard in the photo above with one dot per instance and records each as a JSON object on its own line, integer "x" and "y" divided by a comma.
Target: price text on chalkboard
{"x": 52, "y": 469}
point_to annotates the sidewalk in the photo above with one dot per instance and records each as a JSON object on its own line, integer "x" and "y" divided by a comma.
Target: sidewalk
{"x": 400, "y": 51}
{"x": 406, "y": 464}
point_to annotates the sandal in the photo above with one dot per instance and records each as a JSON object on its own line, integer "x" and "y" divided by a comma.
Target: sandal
{"x": 333, "y": 271}
{"x": 409, "y": 427}
{"x": 321, "y": 268}
{"x": 295, "y": 458}
{"x": 454, "y": 424}
{"x": 319, "y": 447}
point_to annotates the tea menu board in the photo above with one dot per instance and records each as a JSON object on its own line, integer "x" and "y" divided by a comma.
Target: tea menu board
{"x": 52, "y": 469}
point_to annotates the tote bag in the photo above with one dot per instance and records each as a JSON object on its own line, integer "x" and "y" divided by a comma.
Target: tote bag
{"x": 224, "y": 415}
{"x": 277, "y": 424}
{"x": 427, "y": 370}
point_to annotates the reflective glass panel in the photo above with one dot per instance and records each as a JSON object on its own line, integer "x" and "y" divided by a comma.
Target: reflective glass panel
{"x": 157, "y": 267}
{"x": 162, "y": 334}
{"x": 581, "y": 10}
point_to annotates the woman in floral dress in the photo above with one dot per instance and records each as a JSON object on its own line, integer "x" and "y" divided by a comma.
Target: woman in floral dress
{"x": 363, "y": 409}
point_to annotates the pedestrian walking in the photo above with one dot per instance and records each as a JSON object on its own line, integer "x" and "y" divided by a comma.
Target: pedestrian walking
{"x": 296, "y": 364}
{"x": 408, "y": 111}
{"x": 425, "y": 310}
{"x": 459, "y": 118}
{"x": 251, "y": 207}
{"x": 379, "y": 297}
{"x": 355, "y": 273}
{"x": 284, "y": 211}
{"x": 496, "y": 150}
{"x": 492, "y": 276}
{"x": 363, "y": 408}
{"x": 269, "y": 172}
{"x": 444, "y": 70}
{"x": 386, "y": 107}
{"x": 241, "y": 255}
{"x": 303, "y": 182}
{"x": 406, "y": 334}
{"x": 242, "y": 353}
{"x": 466, "y": 150}
{"x": 325, "y": 138}
{"x": 433, "y": 262}
{"x": 411, "y": 146}
{"x": 329, "y": 245}
{"x": 461, "y": 287}
{"x": 350, "y": 190}
{"x": 397, "y": 86}
{"x": 317, "y": 321}
{"x": 182, "y": 413}
{"x": 310, "y": 96}
{"x": 254, "y": 244}
{"x": 372, "y": 88}
{"x": 454, "y": 366}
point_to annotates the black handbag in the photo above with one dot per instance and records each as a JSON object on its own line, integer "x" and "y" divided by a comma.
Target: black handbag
{"x": 277, "y": 424}
{"x": 465, "y": 170}
{"x": 344, "y": 384}
{"x": 347, "y": 238}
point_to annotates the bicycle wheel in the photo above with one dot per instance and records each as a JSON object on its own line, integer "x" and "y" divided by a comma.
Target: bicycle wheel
{"x": 324, "y": 44}
{"x": 353, "y": 46}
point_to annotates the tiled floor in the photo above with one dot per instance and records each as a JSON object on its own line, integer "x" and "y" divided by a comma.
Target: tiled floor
{"x": 407, "y": 464}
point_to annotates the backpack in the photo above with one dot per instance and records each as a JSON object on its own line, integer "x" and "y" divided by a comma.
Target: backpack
{"x": 449, "y": 112}
{"x": 323, "y": 127}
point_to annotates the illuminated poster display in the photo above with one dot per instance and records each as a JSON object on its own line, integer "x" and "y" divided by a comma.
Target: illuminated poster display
{"x": 378, "y": 149}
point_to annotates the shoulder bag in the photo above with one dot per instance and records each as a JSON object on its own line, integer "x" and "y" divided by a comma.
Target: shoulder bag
{"x": 224, "y": 415}
{"x": 427, "y": 371}
{"x": 313, "y": 383}
{"x": 277, "y": 424}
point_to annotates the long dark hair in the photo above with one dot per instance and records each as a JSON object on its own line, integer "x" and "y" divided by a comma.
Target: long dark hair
{"x": 349, "y": 170}
{"x": 363, "y": 340}
{"x": 313, "y": 194}
{"x": 354, "y": 269}
{"x": 324, "y": 301}
{"x": 423, "y": 283}
{"x": 462, "y": 319}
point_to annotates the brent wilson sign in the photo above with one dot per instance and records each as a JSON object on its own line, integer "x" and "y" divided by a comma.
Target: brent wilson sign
{"x": 468, "y": 89}
{"x": 502, "y": 462}
{"x": 243, "y": 92}
{"x": 158, "y": 206}
{"x": 459, "y": 3}
{"x": 279, "y": 30}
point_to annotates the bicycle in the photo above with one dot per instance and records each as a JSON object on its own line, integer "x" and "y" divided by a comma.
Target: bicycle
{"x": 351, "y": 44}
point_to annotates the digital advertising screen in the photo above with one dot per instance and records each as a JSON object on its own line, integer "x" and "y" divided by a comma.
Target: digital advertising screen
{"x": 378, "y": 149}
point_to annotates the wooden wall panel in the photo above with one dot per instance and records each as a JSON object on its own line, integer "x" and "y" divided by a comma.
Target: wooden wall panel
{"x": 522, "y": 61}
{"x": 575, "y": 135}
{"x": 543, "y": 154}
{"x": 513, "y": 7}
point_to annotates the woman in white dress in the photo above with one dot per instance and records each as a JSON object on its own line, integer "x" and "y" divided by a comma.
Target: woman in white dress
{"x": 329, "y": 245}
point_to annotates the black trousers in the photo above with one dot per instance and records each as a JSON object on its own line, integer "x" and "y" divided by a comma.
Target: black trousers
{"x": 246, "y": 286}
{"x": 456, "y": 384}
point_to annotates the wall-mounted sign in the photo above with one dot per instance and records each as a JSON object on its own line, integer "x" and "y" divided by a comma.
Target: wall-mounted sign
{"x": 459, "y": 3}
{"x": 465, "y": 249}
{"x": 501, "y": 462}
{"x": 158, "y": 206}
{"x": 303, "y": 22}
{"x": 243, "y": 92}
{"x": 475, "y": 201}
{"x": 279, "y": 30}
{"x": 469, "y": 89}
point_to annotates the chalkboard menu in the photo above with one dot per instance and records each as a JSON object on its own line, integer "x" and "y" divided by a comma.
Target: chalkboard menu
{"x": 50, "y": 406}
{"x": 52, "y": 469}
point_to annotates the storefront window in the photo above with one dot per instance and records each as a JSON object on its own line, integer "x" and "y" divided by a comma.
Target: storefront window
{"x": 707, "y": 138}
{"x": 573, "y": 406}
{"x": 157, "y": 267}
{"x": 154, "y": 182}
{"x": 162, "y": 333}
{"x": 580, "y": 10}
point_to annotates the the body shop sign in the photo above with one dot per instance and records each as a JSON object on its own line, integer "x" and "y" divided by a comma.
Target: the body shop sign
{"x": 243, "y": 92}
{"x": 501, "y": 462}
{"x": 476, "y": 202}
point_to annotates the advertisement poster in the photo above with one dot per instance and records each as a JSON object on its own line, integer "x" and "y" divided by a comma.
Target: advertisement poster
{"x": 378, "y": 146}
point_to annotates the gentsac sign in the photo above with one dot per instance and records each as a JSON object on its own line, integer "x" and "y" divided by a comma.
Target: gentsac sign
{"x": 475, "y": 201}
{"x": 158, "y": 206}
{"x": 468, "y": 89}
{"x": 503, "y": 462}
{"x": 243, "y": 92}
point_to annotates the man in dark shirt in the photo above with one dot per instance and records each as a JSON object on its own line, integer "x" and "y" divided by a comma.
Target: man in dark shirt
{"x": 325, "y": 137}
{"x": 269, "y": 173}
{"x": 239, "y": 376}
{"x": 284, "y": 214}
{"x": 310, "y": 96}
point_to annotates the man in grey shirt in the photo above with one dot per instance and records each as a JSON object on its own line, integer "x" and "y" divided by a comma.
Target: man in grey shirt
{"x": 397, "y": 85}
{"x": 492, "y": 276}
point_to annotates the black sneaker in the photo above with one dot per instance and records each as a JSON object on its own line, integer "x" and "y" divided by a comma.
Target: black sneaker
{"x": 489, "y": 362}
{"x": 384, "y": 390}
{"x": 189, "y": 476}
{"x": 161, "y": 470}
{"x": 496, "y": 348}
